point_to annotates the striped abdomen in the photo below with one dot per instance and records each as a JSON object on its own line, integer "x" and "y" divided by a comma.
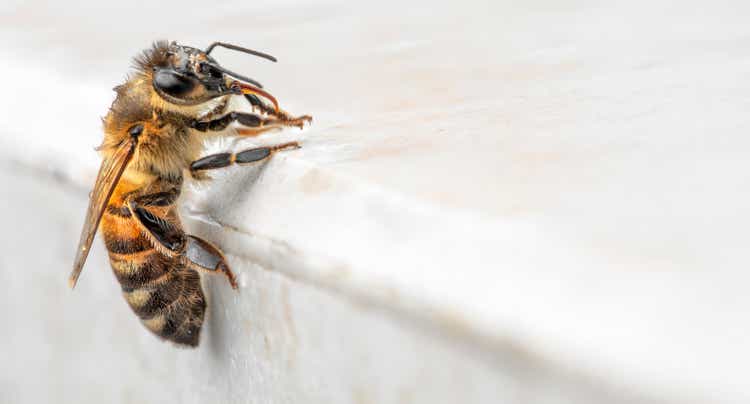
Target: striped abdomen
{"x": 166, "y": 295}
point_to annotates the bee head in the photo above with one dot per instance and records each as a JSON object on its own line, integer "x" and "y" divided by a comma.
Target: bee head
{"x": 185, "y": 76}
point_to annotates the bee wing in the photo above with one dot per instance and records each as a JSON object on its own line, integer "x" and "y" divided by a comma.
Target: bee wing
{"x": 109, "y": 174}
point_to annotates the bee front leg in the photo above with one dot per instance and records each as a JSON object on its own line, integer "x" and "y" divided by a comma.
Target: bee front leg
{"x": 253, "y": 124}
{"x": 254, "y": 155}
{"x": 282, "y": 115}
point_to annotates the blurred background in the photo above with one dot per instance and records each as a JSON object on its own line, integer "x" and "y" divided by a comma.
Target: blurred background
{"x": 496, "y": 202}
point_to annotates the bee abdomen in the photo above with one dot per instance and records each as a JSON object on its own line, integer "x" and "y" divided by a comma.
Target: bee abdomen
{"x": 160, "y": 290}
{"x": 171, "y": 306}
{"x": 137, "y": 269}
{"x": 124, "y": 246}
{"x": 181, "y": 322}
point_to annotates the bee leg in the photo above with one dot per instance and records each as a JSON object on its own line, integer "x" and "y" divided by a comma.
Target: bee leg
{"x": 257, "y": 122}
{"x": 204, "y": 256}
{"x": 255, "y": 125}
{"x": 170, "y": 240}
{"x": 281, "y": 121}
{"x": 275, "y": 124}
{"x": 248, "y": 156}
{"x": 282, "y": 115}
{"x": 166, "y": 237}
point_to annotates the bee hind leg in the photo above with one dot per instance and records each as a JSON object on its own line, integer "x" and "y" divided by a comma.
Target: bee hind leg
{"x": 169, "y": 239}
{"x": 204, "y": 256}
{"x": 249, "y": 156}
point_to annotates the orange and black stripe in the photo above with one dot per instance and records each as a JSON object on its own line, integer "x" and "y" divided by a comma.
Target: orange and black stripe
{"x": 164, "y": 293}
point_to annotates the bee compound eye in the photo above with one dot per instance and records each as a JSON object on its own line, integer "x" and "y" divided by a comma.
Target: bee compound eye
{"x": 173, "y": 83}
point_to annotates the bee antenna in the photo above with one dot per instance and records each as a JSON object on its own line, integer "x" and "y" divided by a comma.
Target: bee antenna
{"x": 239, "y": 49}
{"x": 235, "y": 75}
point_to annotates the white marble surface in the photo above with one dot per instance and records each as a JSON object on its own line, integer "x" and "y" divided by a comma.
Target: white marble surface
{"x": 559, "y": 188}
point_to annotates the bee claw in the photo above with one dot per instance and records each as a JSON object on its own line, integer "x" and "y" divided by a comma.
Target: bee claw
{"x": 301, "y": 121}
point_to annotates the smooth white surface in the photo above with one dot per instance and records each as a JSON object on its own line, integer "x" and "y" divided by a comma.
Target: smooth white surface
{"x": 275, "y": 341}
{"x": 569, "y": 178}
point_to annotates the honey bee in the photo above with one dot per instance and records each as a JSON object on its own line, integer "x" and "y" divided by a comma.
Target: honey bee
{"x": 154, "y": 133}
